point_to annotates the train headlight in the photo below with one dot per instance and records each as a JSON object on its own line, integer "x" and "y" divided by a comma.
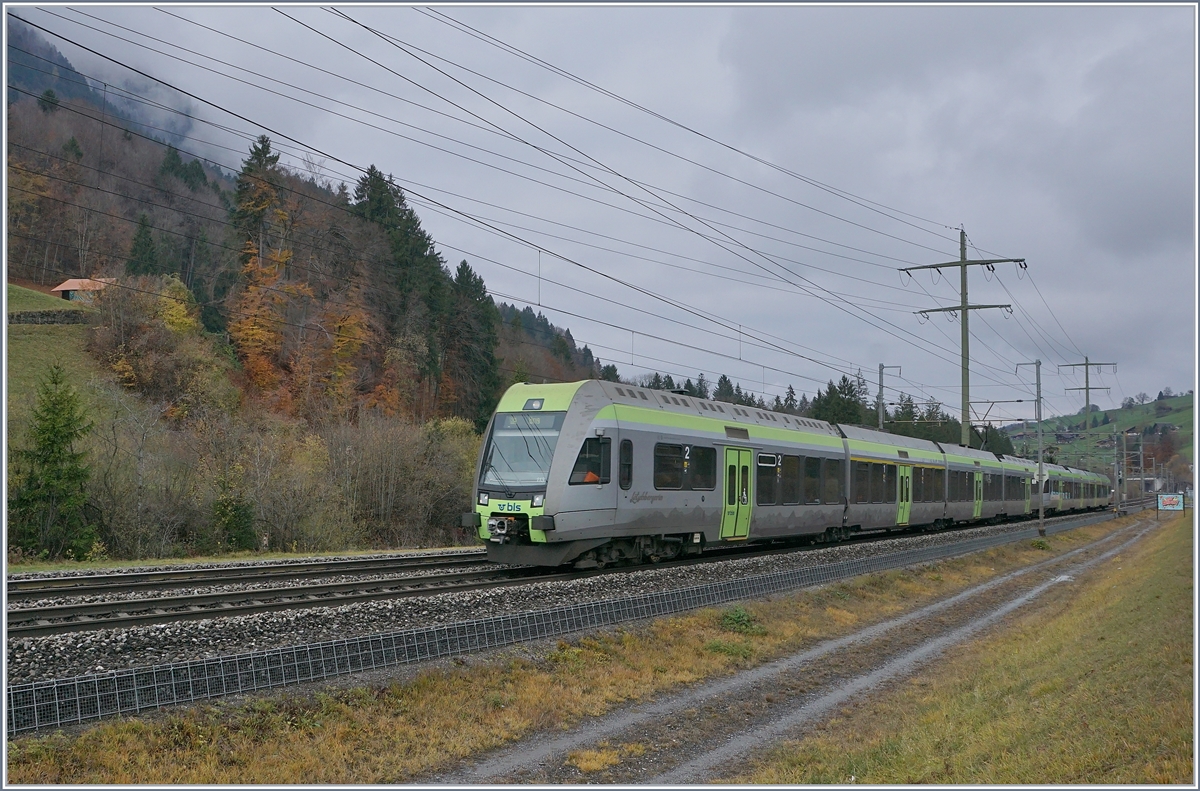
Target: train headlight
{"x": 539, "y": 500}
{"x": 483, "y": 498}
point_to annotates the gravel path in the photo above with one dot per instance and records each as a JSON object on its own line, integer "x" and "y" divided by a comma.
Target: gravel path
{"x": 704, "y": 733}
{"x": 62, "y": 656}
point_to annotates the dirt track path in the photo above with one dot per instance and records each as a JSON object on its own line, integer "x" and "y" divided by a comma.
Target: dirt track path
{"x": 702, "y": 733}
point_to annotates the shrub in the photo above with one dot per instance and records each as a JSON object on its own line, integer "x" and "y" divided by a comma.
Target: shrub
{"x": 739, "y": 619}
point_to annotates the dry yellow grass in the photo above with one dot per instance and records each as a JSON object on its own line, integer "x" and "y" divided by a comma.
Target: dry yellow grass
{"x": 1094, "y": 686}
{"x": 397, "y": 732}
{"x": 604, "y": 757}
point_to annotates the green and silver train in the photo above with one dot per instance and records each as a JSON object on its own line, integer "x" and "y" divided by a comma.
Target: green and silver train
{"x": 596, "y": 473}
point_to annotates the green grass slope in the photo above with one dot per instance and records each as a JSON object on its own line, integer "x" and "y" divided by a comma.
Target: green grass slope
{"x": 32, "y": 349}
{"x": 25, "y": 299}
{"x": 1177, "y": 411}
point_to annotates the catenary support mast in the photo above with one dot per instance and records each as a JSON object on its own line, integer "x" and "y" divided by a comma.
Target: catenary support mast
{"x": 963, "y": 310}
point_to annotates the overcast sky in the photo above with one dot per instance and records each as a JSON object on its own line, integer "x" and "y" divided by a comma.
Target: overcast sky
{"x": 1065, "y": 136}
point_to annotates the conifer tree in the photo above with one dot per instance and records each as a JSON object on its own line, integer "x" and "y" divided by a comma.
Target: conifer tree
{"x": 48, "y": 496}
{"x": 724, "y": 391}
{"x": 143, "y": 257}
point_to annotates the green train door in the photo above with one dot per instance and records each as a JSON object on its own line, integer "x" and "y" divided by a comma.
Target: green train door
{"x": 978, "y": 495}
{"x": 904, "y": 495}
{"x": 735, "y": 520}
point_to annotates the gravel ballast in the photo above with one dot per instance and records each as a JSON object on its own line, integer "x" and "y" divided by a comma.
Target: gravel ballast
{"x": 78, "y": 653}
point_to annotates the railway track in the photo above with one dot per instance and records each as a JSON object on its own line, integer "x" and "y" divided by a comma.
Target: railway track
{"x": 100, "y": 584}
{"x": 88, "y": 616}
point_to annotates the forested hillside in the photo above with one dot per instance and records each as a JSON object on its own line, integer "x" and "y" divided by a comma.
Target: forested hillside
{"x": 288, "y": 363}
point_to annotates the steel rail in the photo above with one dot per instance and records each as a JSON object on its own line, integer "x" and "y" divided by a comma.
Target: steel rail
{"x": 59, "y": 619}
{"x": 93, "y": 584}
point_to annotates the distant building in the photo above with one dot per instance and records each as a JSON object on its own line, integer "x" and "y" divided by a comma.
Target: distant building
{"x": 82, "y": 289}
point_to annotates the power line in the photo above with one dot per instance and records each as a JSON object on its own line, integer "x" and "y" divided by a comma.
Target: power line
{"x": 641, "y": 290}
{"x": 507, "y": 47}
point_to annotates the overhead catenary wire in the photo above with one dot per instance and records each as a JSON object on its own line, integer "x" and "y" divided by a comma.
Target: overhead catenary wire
{"x": 507, "y": 47}
{"x": 849, "y": 306}
{"x": 461, "y": 213}
{"x": 476, "y": 126}
{"x": 235, "y": 114}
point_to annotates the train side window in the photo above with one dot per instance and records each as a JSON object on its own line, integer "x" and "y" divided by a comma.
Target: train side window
{"x": 704, "y": 469}
{"x": 952, "y": 495}
{"x": 593, "y": 464}
{"x": 862, "y": 482}
{"x": 668, "y": 466}
{"x": 767, "y": 483}
{"x": 877, "y": 483}
{"x": 812, "y": 480}
{"x": 939, "y": 485}
{"x": 889, "y": 483}
{"x": 791, "y": 480}
{"x": 832, "y": 482}
{"x": 918, "y": 484}
{"x": 625, "y": 470}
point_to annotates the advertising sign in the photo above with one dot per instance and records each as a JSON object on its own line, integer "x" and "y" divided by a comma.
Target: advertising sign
{"x": 1170, "y": 502}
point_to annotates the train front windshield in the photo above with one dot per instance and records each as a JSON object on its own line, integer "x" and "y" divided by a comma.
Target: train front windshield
{"x": 520, "y": 448}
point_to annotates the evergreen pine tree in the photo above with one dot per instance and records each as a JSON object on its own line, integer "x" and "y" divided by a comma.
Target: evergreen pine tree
{"x": 724, "y": 391}
{"x": 789, "y": 401}
{"x": 47, "y": 499}
{"x": 143, "y": 257}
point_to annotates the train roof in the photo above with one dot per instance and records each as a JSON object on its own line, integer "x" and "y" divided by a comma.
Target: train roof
{"x": 882, "y": 437}
{"x": 703, "y": 407}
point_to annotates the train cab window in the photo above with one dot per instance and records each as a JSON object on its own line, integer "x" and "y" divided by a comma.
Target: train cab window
{"x": 703, "y": 463}
{"x": 593, "y": 464}
{"x": 767, "y": 483}
{"x": 791, "y": 480}
{"x": 877, "y": 483}
{"x": 812, "y": 480}
{"x": 668, "y": 466}
{"x": 832, "y": 481}
{"x": 625, "y": 470}
{"x": 862, "y": 482}
{"x": 890, "y": 483}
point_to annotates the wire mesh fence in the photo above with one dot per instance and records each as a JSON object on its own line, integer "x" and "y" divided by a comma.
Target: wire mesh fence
{"x": 50, "y": 704}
